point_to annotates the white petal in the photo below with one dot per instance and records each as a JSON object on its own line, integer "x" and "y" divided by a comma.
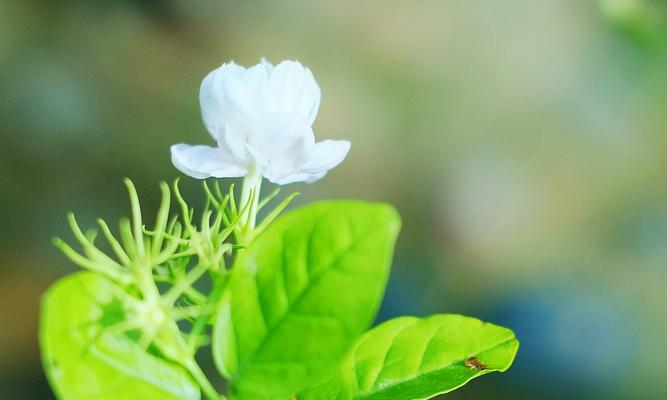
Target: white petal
{"x": 326, "y": 155}
{"x": 300, "y": 177}
{"x": 295, "y": 89}
{"x": 266, "y": 64}
{"x": 234, "y": 143}
{"x": 255, "y": 79}
{"x": 287, "y": 148}
{"x": 216, "y": 105}
{"x": 249, "y": 94}
{"x": 278, "y": 131}
{"x": 202, "y": 162}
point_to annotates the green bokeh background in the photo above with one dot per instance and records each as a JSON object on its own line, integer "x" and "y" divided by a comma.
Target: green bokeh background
{"x": 524, "y": 142}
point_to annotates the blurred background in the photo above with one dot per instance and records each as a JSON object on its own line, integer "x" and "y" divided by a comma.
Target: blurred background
{"x": 524, "y": 143}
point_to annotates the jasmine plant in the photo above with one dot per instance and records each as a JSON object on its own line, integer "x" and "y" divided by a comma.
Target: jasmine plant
{"x": 284, "y": 303}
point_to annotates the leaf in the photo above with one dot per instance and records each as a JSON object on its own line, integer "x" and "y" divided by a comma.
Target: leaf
{"x": 415, "y": 358}
{"x": 300, "y": 294}
{"x": 85, "y": 361}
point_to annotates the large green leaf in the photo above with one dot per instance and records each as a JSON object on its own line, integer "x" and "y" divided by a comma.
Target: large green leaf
{"x": 85, "y": 361}
{"x": 412, "y": 358}
{"x": 300, "y": 294}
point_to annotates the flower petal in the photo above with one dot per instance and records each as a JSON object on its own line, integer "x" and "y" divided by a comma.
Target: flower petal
{"x": 202, "y": 162}
{"x": 287, "y": 146}
{"x": 295, "y": 89}
{"x": 233, "y": 142}
{"x": 300, "y": 177}
{"x": 326, "y": 155}
{"x": 216, "y": 106}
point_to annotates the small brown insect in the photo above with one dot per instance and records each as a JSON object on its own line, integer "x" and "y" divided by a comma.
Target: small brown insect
{"x": 474, "y": 363}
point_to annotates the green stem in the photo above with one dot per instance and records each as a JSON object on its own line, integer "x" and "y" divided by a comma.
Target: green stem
{"x": 200, "y": 324}
{"x": 202, "y": 380}
{"x": 177, "y": 290}
{"x": 252, "y": 184}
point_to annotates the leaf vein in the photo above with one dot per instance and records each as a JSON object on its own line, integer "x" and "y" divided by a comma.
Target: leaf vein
{"x": 388, "y": 351}
{"x": 319, "y": 275}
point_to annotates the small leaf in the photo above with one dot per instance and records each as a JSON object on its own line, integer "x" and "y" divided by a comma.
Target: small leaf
{"x": 412, "y": 358}
{"x": 83, "y": 359}
{"x": 300, "y": 294}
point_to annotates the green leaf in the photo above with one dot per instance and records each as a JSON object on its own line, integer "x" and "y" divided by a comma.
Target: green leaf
{"x": 83, "y": 360}
{"x": 300, "y": 294}
{"x": 414, "y": 358}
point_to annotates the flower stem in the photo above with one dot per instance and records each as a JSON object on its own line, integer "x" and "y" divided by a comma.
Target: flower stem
{"x": 219, "y": 283}
{"x": 202, "y": 380}
{"x": 252, "y": 184}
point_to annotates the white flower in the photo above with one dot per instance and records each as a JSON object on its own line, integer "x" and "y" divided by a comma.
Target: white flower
{"x": 261, "y": 118}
